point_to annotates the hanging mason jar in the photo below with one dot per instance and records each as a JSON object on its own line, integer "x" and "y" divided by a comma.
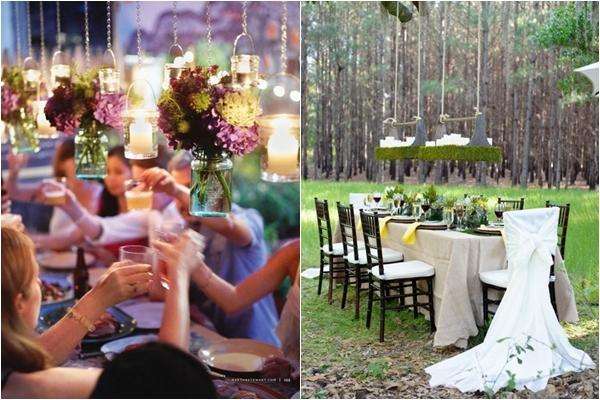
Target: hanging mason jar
{"x": 176, "y": 65}
{"x": 91, "y": 151}
{"x": 279, "y": 129}
{"x": 108, "y": 74}
{"x": 31, "y": 75}
{"x": 140, "y": 120}
{"x": 244, "y": 63}
{"x": 60, "y": 71}
{"x": 44, "y": 129}
{"x": 211, "y": 193}
{"x": 23, "y": 138}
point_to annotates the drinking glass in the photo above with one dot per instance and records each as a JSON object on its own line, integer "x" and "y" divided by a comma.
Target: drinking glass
{"x": 369, "y": 200}
{"x": 459, "y": 209}
{"x": 138, "y": 254}
{"x": 416, "y": 210}
{"x": 448, "y": 217}
{"x": 377, "y": 198}
{"x": 169, "y": 230}
{"x": 499, "y": 211}
{"x": 54, "y": 191}
{"x": 425, "y": 206}
{"x": 137, "y": 196}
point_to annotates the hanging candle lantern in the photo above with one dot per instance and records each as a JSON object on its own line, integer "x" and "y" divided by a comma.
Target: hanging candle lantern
{"x": 31, "y": 75}
{"x": 60, "y": 71}
{"x": 44, "y": 129}
{"x": 244, "y": 63}
{"x": 279, "y": 129}
{"x": 108, "y": 74}
{"x": 179, "y": 62}
{"x": 140, "y": 120}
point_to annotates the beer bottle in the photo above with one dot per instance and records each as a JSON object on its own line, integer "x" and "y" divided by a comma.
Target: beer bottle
{"x": 81, "y": 276}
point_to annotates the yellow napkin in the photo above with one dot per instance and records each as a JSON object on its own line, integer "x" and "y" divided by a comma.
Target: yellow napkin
{"x": 383, "y": 230}
{"x": 410, "y": 236}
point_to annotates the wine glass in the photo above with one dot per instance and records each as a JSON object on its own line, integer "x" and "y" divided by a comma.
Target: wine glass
{"x": 459, "y": 209}
{"x": 499, "y": 211}
{"x": 369, "y": 200}
{"x": 448, "y": 217}
{"x": 425, "y": 206}
{"x": 377, "y": 198}
{"x": 416, "y": 210}
{"x": 397, "y": 199}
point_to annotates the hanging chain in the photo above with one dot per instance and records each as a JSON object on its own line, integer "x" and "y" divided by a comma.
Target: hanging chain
{"x": 396, "y": 62}
{"x": 58, "y": 26}
{"x": 87, "y": 35}
{"x": 108, "y": 27}
{"x": 284, "y": 18}
{"x": 478, "y": 56}
{"x": 175, "y": 23}
{"x": 42, "y": 39}
{"x": 18, "y": 29}
{"x": 209, "y": 33}
{"x": 443, "y": 61}
{"x": 29, "y": 40}
{"x": 245, "y": 17}
{"x": 138, "y": 21}
{"x": 419, "y": 66}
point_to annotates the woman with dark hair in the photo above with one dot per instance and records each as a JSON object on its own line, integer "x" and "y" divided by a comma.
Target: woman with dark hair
{"x": 155, "y": 371}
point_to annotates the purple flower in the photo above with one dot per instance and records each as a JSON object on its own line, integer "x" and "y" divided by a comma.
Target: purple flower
{"x": 10, "y": 102}
{"x": 109, "y": 108}
{"x": 67, "y": 123}
{"x": 237, "y": 140}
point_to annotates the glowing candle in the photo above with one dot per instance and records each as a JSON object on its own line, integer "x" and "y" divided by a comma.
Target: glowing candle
{"x": 109, "y": 80}
{"x": 140, "y": 137}
{"x": 282, "y": 149}
{"x": 58, "y": 74}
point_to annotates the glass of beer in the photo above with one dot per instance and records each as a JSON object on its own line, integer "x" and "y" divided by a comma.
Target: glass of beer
{"x": 54, "y": 191}
{"x": 137, "y": 196}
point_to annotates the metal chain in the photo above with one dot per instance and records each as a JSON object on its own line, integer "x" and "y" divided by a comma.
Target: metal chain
{"x": 209, "y": 33}
{"x": 443, "y": 60}
{"x": 108, "y": 27}
{"x": 29, "y": 41}
{"x": 175, "y": 23}
{"x": 284, "y": 19}
{"x": 478, "y": 56}
{"x": 245, "y": 17}
{"x": 87, "y": 35}
{"x": 138, "y": 21}
{"x": 42, "y": 40}
{"x": 18, "y": 29}
{"x": 58, "y": 25}
{"x": 419, "y": 66}
{"x": 396, "y": 62}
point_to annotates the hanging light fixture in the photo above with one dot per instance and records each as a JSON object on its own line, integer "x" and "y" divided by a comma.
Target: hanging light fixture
{"x": 44, "y": 129}
{"x": 279, "y": 125}
{"x": 108, "y": 74}
{"x": 244, "y": 61}
{"x": 141, "y": 114}
{"x": 31, "y": 69}
{"x": 60, "y": 72}
{"x": 178, "y": 61}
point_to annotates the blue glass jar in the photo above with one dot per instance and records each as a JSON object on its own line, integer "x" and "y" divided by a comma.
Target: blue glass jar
{"x": 211, "y": 193}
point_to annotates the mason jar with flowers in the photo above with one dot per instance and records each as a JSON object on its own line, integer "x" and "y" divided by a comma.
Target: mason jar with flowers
{"x": 199, "y": 112}
{"x": 79, "y": 108}
{"x": 17, "y": 112}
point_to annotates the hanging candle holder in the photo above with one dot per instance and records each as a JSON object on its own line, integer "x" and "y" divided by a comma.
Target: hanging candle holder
{"x": 279, "y": 129}
{"x": 140, "y": 121}
{"x": 178, "y": 63}
{"x": 31, "y": 75}
{"x": 60, "y": 71}
{"x": 244, "y": 63}
{"x": 44, "y": 129}
{"x": 108, "y": 74}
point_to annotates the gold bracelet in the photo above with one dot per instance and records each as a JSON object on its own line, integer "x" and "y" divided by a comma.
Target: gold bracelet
{"x": 83, "y": 320}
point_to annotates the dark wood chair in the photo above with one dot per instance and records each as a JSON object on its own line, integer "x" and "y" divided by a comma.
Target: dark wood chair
{"x": 512, "y": 205}
{"x": 385, "y": 280}
{"x": 563, "y": 224}
{"x": 355, "y": 257}
{"x": 331, "y": 254}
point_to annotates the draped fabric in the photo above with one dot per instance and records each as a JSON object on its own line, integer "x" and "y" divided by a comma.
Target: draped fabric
{"x": 525, "y": 344}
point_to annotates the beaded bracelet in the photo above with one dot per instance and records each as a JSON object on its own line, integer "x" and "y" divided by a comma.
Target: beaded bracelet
{"x": 83, "y": 320}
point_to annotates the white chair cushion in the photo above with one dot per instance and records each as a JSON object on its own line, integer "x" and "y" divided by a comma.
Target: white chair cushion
{"x": 338, "y": 248}
{"x": 497, "y": 278}
{"x": 389, "y": 256}
{"x": 404, "y": 270}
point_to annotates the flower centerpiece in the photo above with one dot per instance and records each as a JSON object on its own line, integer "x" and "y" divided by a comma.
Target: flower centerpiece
{"x": 393, "y": 195}
{"x": 431, "y": 197}
{"x": 78, "y": 108}
{"x": 198, "y": 112}
{"x": 17, "y": 112}
{"x": 410, "y": 199}
{"x": 476, "y": 209}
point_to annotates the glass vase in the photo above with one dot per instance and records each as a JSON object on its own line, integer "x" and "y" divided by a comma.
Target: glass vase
{"x": 91, "y": 150}
{"x": 211, "y": 194}
{"x": 23, "y": 138}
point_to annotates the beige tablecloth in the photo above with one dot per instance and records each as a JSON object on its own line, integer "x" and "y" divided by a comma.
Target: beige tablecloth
{"x": 458, "y": 258}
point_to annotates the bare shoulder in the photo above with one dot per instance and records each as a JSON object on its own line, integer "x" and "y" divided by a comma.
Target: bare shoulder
{"x": 52, "y": 382}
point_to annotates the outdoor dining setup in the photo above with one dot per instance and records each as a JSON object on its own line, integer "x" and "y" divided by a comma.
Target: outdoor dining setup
{"x": 131, "y": 264}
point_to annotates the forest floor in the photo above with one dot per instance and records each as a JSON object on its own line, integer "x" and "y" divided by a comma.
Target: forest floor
{"x": 341, "y": 358}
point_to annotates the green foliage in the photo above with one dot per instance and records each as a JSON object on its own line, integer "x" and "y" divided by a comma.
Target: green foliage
{"x": 448, "y": 152}
{"x": 430, "y": 194}
{"x": 402, "y": 9}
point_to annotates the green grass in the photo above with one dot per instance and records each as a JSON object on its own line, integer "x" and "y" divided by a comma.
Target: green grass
{"x": 342, "y": 349}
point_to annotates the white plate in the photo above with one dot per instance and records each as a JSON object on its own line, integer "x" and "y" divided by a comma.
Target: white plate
{"x": 238, "y": 355}
{"x": 64, "y": 281}
{"x": 115, "y": 347}
{"x": 148, "y": 314}
{"x": 62, "y": 260}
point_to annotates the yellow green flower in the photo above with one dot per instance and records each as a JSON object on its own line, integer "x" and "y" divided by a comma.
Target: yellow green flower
{"x": 183, "y": 127}
{"x": 200, "y": 102}
{"x": 239, "y": 108}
